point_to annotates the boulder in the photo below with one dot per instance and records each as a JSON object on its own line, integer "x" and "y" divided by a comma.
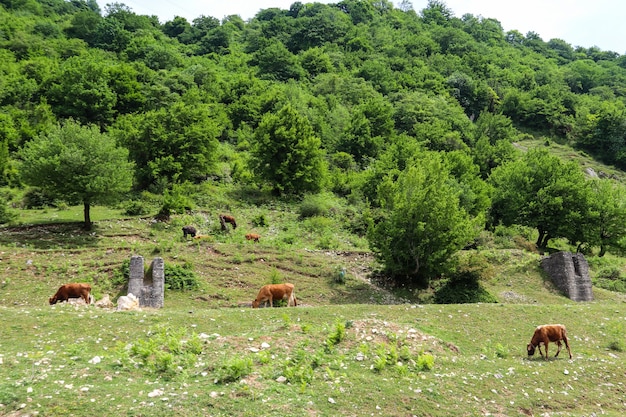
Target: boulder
{"x": 127, "y": 302}
{"x": 570, "y": 273}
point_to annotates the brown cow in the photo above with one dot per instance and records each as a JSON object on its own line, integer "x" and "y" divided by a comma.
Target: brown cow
{"x": 225, "y": 218}
{"x": 272, "y": 292}
{"x": 253, "y": 236}
{"x": 546, "y": 334}
{"x": 75, "y": 290}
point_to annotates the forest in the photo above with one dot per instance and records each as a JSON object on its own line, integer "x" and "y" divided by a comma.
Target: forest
{"x": 413, "y": 119}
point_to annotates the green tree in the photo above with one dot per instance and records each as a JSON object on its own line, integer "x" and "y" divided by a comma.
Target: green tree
{"x": 606, "y": 225}
{"x": 80, "y": 90}
{"x": 541, "y": 191}
{"x": 423, "y": 222}
{"x": 78, "y": 164}
{"x": 287, "y": 153}
{"x": 171, "y": 145}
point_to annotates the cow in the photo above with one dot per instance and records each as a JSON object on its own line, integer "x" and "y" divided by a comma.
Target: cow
{"x": 253, "y": 236}
{"x": 75, "y": 290}
{"x": 189, "y": 230}
{"x": 546, "y": 334}
{"x": 225, "y": 218}
{"x": 273, "y": 292}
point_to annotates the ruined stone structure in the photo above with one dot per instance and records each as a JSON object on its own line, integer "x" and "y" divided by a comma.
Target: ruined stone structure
{"x": 570, "y": 274}
{"x": 148, "y": 287}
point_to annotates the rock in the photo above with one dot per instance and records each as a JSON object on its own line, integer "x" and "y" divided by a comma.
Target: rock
{"x": 127, "y": 302}
{"x": 570, "y": 274}
{"x": 105, "y": 302}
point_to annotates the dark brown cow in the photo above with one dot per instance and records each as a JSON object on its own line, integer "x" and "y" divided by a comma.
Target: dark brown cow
{"x": 546, "y": 334}
{"x": 189, "y": 230}
{"x": 75, "y": 290}
{"x": 253, "y": 236}
{"x": 225, "y": 218}
{"x": 273, "y": 292}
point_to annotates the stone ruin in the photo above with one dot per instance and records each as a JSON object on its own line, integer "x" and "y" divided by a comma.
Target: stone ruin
{"x": 570, "y": 274}
{"x": 148, "y": 287}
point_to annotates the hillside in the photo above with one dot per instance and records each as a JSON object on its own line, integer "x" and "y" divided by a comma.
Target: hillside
{"x": 350, "y": 349}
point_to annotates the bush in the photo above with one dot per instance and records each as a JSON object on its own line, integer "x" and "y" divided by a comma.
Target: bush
{"x": 461, "y": 292}
{"x": 36, "y": 198}
{"x": 136, "y": 208}
{"x": 6, "y": 215}
{"x": 317, "y": 205}
{"x": 180, "y": 277}
{"x": 234, "y": 369}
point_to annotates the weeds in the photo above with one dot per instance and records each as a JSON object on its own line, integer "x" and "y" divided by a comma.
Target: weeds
{"x": 233, "y": 369}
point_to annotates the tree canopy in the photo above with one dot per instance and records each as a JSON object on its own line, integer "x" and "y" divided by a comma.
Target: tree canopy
{"x": 77, "y": 164}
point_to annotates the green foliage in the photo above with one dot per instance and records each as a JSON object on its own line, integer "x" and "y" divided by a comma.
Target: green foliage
{"x": 167, "y": 352}
{"x": 287, "y": 154}
{"x": 540, "y": 190}
{"x": 316, "y": 205}
{"x": 8, "y": 394}
{"x": 77, "y": 164}
{"x": 175, "y": 201}
{"x": 181, "y": 277}
{"x": 6, "y": 215}
{"x": 423, "y": 224}
{"x": 233, "y": 369}
{"x": 336, "y": 335}
{"x": 425, "y": 362}
{"x": 136, "y": 208}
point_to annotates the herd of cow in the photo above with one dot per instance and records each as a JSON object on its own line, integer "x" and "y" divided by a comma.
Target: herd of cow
{"x": 224, "y": 220}
{"x": 274, "y": 292}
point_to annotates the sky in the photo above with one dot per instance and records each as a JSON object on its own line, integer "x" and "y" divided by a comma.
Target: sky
{"x": 583, "y": 23}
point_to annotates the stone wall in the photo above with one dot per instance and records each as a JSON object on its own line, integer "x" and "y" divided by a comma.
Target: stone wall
{"x": 570, "y": 274}
{"x": 148, "y": 287}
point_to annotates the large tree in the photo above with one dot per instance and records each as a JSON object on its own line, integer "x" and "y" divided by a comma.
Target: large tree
{"x": 540, "y": 190}
{"x": 423, "y": 221}
{"x": 287, "y": 153}
{"x": 77, "y": 164}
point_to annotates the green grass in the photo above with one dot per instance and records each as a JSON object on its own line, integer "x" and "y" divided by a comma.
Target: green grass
{"x": 348, "y": 349}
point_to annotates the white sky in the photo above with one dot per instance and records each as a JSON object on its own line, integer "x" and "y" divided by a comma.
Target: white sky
{"x": 583, "y": 23}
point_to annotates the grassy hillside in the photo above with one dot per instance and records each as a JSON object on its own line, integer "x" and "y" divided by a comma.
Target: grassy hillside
{"x": 348, "y": 349}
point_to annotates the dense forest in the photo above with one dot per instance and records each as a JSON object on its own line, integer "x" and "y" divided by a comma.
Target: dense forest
{"x": 411, "y": 117}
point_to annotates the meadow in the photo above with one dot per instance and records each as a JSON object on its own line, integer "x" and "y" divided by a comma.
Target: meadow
{"x": 350, "y": 348}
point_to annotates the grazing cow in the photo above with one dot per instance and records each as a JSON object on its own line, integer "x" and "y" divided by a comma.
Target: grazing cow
{"x": 546, "y": 334}
{"x": 75, "y": 290}
{"x": 189, "y": 230}
{"x": 225, "y": 218}
{"x": 253, "y": 236}
{"x": 273, "y": 292}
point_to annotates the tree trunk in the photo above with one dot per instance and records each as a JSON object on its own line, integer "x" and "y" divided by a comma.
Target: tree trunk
{"x": 602, "y": 250}
{"x": 540, "y": 238}
{"x": 86, "y": 209}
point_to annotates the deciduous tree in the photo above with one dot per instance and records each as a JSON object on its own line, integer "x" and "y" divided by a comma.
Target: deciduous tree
{"x": 77, "y": 164}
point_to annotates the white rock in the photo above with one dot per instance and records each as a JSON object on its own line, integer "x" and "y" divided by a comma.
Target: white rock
{"x": 156, "y": 393}
{"x": 281, "y": 379}
{"x": 331, "y": 400}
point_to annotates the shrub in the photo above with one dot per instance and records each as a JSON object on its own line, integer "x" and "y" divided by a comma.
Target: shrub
{"x": 136, "y": 208}
{"x": 6, "y": 215}
{"x": 425, "y": 362}
{"x": 180, "y": 277}
{"x": 167, "y": 352}
{"x": 234, "y": 369}
{"x": 316, "y": 205}
{"x": 37, "y": 198}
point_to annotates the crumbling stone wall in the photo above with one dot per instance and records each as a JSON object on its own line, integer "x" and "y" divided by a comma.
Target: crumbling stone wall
{"x": 570, "y": 274}
{"x": 148, "y": 287}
